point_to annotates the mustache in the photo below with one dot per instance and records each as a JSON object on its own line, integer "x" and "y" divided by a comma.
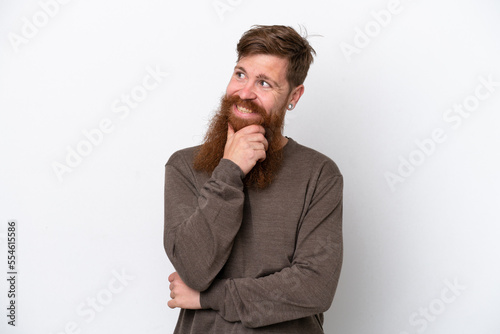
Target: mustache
{"x": 247, "y": 104}
{"x": 211, "y": 151}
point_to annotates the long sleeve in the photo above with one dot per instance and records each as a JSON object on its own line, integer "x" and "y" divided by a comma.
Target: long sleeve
{"x": 304, "y": 288}
{"x": 201, "y": 220}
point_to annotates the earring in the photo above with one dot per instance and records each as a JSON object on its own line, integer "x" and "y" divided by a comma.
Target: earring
{"x": 290, "y": 106}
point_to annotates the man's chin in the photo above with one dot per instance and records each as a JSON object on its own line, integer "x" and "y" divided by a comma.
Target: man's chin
{"x": 239, "y": 123}
{"x": 212, "y": 150}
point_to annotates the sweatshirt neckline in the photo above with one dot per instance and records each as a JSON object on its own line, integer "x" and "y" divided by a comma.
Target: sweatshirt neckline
{"x": 289, "y": 145}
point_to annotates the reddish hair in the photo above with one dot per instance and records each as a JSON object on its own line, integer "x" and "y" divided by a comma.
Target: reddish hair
{"x": 281, "y": 41}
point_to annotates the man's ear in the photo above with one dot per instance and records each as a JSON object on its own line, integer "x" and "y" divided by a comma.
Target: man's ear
{"x": 295, "y": 95}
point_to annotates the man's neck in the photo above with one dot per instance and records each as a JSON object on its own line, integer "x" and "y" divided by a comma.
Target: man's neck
{"x": 283, "y": 141}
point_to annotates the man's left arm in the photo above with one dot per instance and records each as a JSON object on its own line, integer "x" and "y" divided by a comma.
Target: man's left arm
{"x": 306, "y": 287}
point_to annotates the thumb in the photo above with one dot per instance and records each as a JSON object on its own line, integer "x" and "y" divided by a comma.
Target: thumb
{"x": 230, "y": 130}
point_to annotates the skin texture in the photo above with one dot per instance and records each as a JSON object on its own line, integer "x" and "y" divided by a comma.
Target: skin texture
{"x": 246, "y": 146}
{"x": 260, "y": 79}
{"x": 181, "y": 295}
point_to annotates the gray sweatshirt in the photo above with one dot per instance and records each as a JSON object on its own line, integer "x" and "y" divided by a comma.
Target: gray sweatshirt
{"x": 265, "y": 261}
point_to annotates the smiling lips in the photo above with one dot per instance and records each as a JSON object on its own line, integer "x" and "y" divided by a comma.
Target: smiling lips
{"x": 244, "y": 110}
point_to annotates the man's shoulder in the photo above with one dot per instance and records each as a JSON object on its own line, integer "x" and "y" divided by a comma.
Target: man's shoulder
{"x": 307, "y": 157}
{"x": 183, "y": 156}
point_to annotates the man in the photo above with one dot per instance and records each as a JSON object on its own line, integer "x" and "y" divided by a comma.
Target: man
{"x": 252, "y": 218}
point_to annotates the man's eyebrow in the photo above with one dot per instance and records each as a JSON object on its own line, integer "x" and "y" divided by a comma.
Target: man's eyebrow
{"x": 240, "y": 68}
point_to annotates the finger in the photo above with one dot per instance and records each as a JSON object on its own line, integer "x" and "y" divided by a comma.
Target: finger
{"x": 261, "y": 156}
{"x": 257, "y": 146}
{"x": 171, "y": 304}
{"x": 172, "y": 276}
{"x": 172, "y": 295}
{"x": 258, "y": 138}
{"x": 265, "y": 143}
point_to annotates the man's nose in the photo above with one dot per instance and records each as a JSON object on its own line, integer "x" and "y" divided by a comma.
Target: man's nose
{"x": 247, "y": 92}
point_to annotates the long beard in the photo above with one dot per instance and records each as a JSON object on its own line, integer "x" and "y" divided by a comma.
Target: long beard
{"x": 212, "y": 149}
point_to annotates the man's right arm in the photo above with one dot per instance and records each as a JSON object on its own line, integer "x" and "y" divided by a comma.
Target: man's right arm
{"x": 200, "y": 224}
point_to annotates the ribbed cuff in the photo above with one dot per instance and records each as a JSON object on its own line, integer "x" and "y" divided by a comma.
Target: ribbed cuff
{"x": 213, "y": 298}
{"x": 229, "y": 173}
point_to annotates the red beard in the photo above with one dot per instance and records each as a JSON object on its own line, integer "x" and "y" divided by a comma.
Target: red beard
{"x": 212, "y": 149}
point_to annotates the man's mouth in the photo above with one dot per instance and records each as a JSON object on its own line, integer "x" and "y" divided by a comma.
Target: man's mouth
{"x": 244, "y": 110}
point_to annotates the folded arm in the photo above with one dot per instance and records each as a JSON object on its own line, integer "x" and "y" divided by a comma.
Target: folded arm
{"x": 306, "y": 287}
{"x": 200, "y": 224}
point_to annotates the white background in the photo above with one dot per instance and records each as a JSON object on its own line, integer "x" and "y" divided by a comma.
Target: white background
{"x": 405, "y": 244}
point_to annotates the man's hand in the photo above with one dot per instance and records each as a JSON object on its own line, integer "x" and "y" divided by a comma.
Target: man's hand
{"x": 246, "y": 146}
{"x": 182, "y": 295}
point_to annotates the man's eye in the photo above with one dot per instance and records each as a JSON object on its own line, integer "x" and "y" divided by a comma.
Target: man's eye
{"x": 240, "y": 75}
{"x": 265, "y": 84}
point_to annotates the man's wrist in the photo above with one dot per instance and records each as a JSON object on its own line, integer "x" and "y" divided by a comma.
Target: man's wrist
{"x": 229, "y": 172}
{"x": 213, "y": 297}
